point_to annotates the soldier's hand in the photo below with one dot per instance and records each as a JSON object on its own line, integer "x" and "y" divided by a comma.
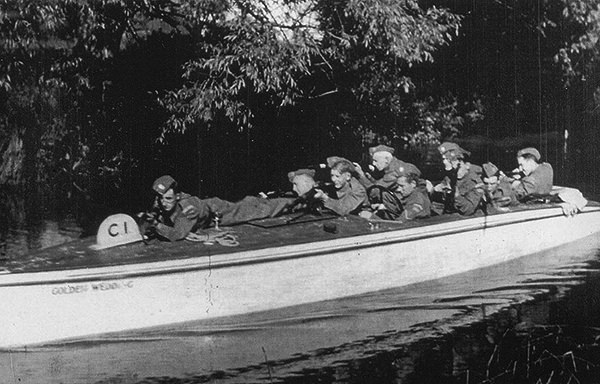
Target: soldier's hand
{"x": 319, "y": 194}
{"x": 147, "y": 217}
{"x": 441, "y": 187}
{"x": 429, "y": 187}
{"x": 359, "y": 170}
{"x": 516, "y": 173}
{"x": 149, "y": 230}
{"x": 378, "y": 207}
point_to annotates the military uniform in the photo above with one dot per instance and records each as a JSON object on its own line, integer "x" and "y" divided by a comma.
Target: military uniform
{"x": 416, "y": 206}
{"x": 468, "y": 192}
{"x": 248, "y": 209}
{"x": 501, "y": 194}
{"x": 191, "y": 213}
{"x": 350, "y": 198}
{"x": 538, "y": 182}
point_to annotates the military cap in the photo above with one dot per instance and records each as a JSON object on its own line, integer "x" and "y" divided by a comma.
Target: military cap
{"x": 381, "y": 148}
{"x": 163, "y": 184}
{"x": 490, "y": 169}
{"x": 453, "y": 147}
{"x": 408, "y": 168}
{"x": 530, "y": 151}
{"x": 333, "y": 160}
{"x": 302, "y": 171}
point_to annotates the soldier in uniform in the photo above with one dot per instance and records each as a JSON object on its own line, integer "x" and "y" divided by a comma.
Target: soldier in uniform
{"x": 303, "y": 181}
{"x": 381, "y": 191}
{"x": 385, "y": 161}
{"x": 412, "y": 201}
{"x": 498, "y": 190}
{"x": 351, "y": 195}
{"x": 538, "y": 177}
{"x": 180, "y": 214}
{"x": 463, "y": 186}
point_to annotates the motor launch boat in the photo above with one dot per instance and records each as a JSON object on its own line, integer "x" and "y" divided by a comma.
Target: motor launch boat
{"x": 119, "y": 282}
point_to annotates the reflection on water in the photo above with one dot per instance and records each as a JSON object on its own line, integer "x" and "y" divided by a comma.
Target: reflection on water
{"x": 25, "y": 224}
{"x": 412, "y": 334}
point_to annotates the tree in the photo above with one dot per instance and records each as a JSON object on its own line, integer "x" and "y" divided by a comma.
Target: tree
{"x": 283, "y": 52}
{"x": 54, "y": 85}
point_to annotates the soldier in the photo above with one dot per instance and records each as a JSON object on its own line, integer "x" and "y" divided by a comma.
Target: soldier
{"x": 304, "y": 185}
{"x": 463, "y": 187}
{"x": 381, "y": 191}
{"x": 176, "y": 214}
{"x": 179, "y": 215}
{"x": 303, "y": 181}
{"x": 538, "y": 177}
{"x": 385, "y": 161}
{"x": 498, "y": 190}
{"x": 412, "y": 201}
{"x": 351, "y": 195}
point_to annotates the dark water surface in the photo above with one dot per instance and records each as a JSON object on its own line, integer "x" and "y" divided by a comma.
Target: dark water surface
{"x": 456, "y": 329}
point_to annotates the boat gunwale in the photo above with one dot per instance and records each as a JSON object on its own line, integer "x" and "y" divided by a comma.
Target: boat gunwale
{"x": 286, "y": 252}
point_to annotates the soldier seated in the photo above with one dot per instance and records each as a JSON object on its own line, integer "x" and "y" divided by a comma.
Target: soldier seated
{"x": 537, "y": 177}
{"x": 350, "y": 195}
{"x": 462, "y": 189}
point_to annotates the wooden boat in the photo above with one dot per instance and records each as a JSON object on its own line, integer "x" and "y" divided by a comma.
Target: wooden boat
{"x": 79, "y": 290}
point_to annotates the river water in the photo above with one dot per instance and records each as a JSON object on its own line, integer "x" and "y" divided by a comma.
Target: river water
{"x": 437, "y": 331}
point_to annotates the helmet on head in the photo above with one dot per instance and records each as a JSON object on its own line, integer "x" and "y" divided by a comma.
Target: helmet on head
{"x": 163, "y": 184}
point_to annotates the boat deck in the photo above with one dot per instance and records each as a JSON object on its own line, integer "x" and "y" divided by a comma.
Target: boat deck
{"x": 286, "y": 230}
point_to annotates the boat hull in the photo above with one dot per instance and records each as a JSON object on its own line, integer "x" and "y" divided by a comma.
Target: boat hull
{"x": 47, "y": 306}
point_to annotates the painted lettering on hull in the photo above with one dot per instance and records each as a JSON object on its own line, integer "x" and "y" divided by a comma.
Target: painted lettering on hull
{"x": 91, "y": 287}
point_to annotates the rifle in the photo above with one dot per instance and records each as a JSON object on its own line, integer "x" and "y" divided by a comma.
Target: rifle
{"x": 147, "y": 220}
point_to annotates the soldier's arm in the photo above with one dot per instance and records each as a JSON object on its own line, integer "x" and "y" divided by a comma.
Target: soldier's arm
{"x": 524, "y": 187}
{"x": 411, "y": 212}
{"x": 366, "y": 180}
{"x": 191, "y": 210}
{"x": 467, "y": 203}
{"x": 348, "y": 203}
{"x": 179, "y": 231}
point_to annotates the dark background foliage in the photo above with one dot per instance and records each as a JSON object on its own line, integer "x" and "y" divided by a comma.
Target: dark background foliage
{"x": 98, "y": 98}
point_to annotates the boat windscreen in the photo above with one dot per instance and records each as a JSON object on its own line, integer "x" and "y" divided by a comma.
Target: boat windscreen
{"x": 290, "y": 219}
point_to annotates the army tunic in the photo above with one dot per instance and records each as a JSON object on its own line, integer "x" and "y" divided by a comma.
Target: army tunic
{"x": 350, "y": 198}
{"x": 468, "y": 191}
{"x": 416, "y": 206}
{"x": 538, "y": 182}
{"x": 189, "y": 213}
{"x": 192, "y": 213}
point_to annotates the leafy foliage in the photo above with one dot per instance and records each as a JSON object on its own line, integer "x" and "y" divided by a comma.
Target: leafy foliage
{"x": 55, "y": 57}
{"x": 288, "y": 51}
{"x": 579, "y": 57}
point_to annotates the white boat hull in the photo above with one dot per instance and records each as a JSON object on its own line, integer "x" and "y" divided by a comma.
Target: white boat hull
{"x": 43, "y": 307}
